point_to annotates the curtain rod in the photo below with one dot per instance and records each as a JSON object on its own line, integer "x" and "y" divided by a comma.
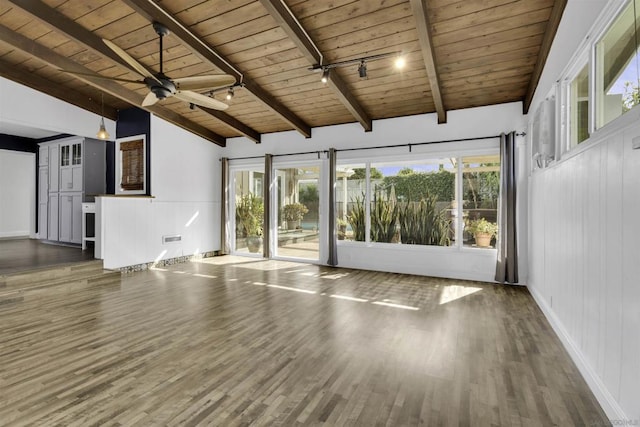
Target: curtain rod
{"x": 377, "y": 147}
{"x": 413, "y": 144}
{"x": 318, "y": 152}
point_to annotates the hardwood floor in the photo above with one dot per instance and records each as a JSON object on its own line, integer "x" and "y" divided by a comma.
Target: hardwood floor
{"x": 27, "y": 254}
{"x": 238, "y": 341}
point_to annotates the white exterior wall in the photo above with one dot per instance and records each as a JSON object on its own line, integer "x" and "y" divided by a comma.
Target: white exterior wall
{"x": 464, "y": 263}
{"x": 185, "y": 183}
{"x": 17, "y": 193}
{"x": 584, "y": 252}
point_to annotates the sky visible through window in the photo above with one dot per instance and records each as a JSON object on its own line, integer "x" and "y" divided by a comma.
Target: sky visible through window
{"x": 630, "y": 74}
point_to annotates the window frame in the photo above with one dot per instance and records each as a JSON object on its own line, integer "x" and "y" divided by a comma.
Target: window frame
{"x": 415, "y": 157}
{"x": 586, "y": 51}
{"x": 119, "y": 168}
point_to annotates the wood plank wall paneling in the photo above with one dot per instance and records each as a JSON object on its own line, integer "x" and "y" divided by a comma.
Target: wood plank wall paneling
{"x": 584, "y": 260}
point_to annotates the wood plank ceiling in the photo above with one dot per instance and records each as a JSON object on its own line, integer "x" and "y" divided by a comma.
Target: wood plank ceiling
{"x": 459, "y": 54}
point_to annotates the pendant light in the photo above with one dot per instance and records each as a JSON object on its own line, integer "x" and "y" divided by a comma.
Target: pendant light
{"x": 102, "y": 132}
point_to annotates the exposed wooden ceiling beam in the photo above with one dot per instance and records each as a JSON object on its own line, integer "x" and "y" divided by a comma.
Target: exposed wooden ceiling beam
{"x": 78, "y": 33}
{"x": 65, "y": 94}
{"x": 297, "y": 34}
{"x": 154, "y": 12}
{"x": 250, "y": 133}
{"x": 426, "y": 45}
{"x": 58, "y": 61}
{"x": 545, "y": 48}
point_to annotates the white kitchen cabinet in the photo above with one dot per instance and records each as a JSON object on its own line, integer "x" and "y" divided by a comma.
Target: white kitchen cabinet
{"x": 43, "y": 156}
{"x": 70, "y": 208}
{"x": 74, "y": 172}
{"x": 52, "y": 223}
{"x": 54, "y": 170}
{"x": 43, "y": 200}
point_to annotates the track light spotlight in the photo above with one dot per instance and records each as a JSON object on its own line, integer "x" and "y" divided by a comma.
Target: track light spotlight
{"x": 192, "y": 106}
{"x": 362, "y": 70}
{"x": 230, "y": 94}
{"x": 400, "y": 62}
{"x": 325, "y": 76}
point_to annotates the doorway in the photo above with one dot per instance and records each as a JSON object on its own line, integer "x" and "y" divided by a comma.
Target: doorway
{"x": 296, "y": 211}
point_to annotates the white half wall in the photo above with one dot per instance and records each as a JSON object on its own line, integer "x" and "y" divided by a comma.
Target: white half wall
{"x": 185, "y": 182}
{"x": 17, "y": 193}
{"x": 463, "y": 263}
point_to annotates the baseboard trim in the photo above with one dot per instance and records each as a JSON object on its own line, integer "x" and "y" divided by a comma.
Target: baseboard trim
{"x": 609, "y": 405}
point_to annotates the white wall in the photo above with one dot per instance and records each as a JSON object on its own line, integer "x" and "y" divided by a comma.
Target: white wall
{"x": 464, "y": 263}
{"x": 185, "y": 183}
{"x": 17, "y": 193}
{"x": 21, "y": 105}
{"x": 584, "y": 252}
{"x": 585, "y": 265}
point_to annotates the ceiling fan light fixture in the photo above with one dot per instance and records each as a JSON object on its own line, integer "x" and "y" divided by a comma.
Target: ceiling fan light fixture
{"x": 362, "y": 70}
{"x": 325, "y": 76}
{"x": 161, "y": 92}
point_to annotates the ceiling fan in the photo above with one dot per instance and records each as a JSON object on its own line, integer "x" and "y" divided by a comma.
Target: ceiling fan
{"x": 161, "y": 87}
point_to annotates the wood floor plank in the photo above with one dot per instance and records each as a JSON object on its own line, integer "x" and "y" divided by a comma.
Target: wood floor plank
{"x": 237, "y": 341}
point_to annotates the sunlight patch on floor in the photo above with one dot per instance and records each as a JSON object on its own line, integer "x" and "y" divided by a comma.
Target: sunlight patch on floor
{"x": 287, "y": 288}
{"x": 348, "y": 298}
{"x": 454, "y": 292}
{"x": 390, "y": 304}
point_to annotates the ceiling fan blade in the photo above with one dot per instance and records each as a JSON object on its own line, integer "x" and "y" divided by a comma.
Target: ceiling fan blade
{"x": 150, "y": 99}
{"x": 98, "y": 76}
{"x": 204, "y": 82}
{"x": 129, "y": 60}
{"x": 203, "y": 101}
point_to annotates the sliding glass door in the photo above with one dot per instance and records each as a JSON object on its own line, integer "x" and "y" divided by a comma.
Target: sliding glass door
{"x": 248, "y": 210}
{"x": 296, "y": 210}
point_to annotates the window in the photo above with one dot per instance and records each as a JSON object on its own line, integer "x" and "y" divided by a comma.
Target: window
{"x": 418, "y": 202}
{"x": 131, "y": 165}
{"x": 602, "y": 82}
{"x": 351, "y": 189}
{"x": 579, "y": 107}
{"x": 480, "y": 192}
{"x": 411, "y": 202}
{"x": 617, "y": 68}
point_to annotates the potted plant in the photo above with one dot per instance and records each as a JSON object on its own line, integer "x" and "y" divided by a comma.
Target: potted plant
{"x": 249, "y": 218}
{"x": 293, "y": 214}
{"x": 483, "y": 231}
{"x": 342, "y": 228}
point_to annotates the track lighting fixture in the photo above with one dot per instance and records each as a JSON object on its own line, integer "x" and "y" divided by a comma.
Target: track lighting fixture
{"x": 362, "y": 67}
{"x": 102, "y": 132}
{"x": 325, "y": 76}
{"x": 362, "y": 70}
{"x": 229, "y": 91}
{"x": 192, "y": 106}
